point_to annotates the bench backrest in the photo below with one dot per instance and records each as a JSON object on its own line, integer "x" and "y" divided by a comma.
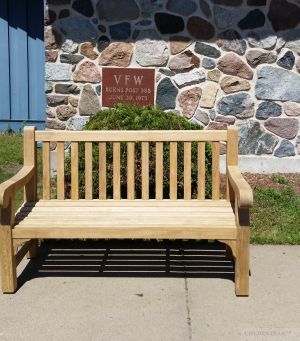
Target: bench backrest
{"x": 151, "y": 144}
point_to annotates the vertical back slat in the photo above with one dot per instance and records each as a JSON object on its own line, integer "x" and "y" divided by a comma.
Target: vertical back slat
{"x": 116, "y": 171}
{"x": 201, "y": 170}
{"x": 89, "y": 170}
{"x": 231, "y": 155}
{"x": 46, "y": 171}
{"x": 173, "y": 170}
{"x": 74, "y": 171}
{"x": 60, "y": 171}
{"x": 130, "y": 170}
{"x": 215, "y": 170}
{"x": 102, "y": 171}
{"x": 145, "y": 170}
{"x": 187, "y": 170}
{"x": 159, "y": 149}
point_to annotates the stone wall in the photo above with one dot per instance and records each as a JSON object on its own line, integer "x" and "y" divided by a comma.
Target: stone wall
{"x": 217, "y": 62}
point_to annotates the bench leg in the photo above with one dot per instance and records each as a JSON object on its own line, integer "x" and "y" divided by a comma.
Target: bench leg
{"x": 7, "y": 261}
{"x": 32, "y": 253}
{"x": 242, "y": 262}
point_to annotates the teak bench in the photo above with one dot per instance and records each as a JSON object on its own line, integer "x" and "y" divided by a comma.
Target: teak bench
{"x": 225, "y": 220}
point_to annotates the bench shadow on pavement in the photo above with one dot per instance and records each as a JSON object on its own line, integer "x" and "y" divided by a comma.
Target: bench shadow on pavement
{"x": 129, "y": 258}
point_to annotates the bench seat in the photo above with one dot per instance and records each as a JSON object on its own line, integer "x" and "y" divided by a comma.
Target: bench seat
{"x": 159, "y": 219}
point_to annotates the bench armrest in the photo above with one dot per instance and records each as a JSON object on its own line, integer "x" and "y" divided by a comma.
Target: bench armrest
{"x": 10, "y": 186}
{"x": 240, "y": 186}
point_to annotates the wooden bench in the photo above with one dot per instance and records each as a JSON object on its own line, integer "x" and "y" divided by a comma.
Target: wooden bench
{"x": 226, "y": 220}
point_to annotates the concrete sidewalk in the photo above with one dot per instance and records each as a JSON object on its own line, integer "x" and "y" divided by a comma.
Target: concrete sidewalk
{"x": 57, "y": 301}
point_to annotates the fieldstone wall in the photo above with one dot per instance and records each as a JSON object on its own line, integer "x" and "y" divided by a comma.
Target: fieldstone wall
{"x": 217, "y": 62}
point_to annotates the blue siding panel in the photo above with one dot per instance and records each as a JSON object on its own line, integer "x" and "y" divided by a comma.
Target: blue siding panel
{"x": 4, "y": 62}
{"x": 19, "y": 126}
{"x": 22, "y": 64}
{"x": 36, "y": 60}
{"x": 18, "y": 59}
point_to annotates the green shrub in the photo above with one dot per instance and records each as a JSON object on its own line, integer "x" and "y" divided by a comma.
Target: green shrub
{"x": 279, "y": 179}
{"x": 132, "y": 117}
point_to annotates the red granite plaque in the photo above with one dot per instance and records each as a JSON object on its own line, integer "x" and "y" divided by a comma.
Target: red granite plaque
{"x": 127, "y": 85}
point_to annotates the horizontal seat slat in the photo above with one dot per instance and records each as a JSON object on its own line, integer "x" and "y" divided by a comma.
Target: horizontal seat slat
{"x": 127, "y": 232}
{"x": 137, "y": 202}
{"x": 132, "y": 136}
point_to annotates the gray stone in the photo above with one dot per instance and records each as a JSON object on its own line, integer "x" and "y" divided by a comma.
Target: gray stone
{"x": 50, "y": 112}
{"x": 84, "y": 7}
{"x": 103, "y": 43}
{"x": 144, "y": 22}
{"x": 98, "y": 90}
{"x": 48, "y": 87}
{"x": 253, "y": 139}
{"x": 64, "y": 112}
{"x": 117, "y": 11}
{"x": 292, "y": 39}
{"x": 77, "y": 123}
{"x": 231, "y": 40}
{"x": 69, "y": 46}
{"x": 286, "y": 148}
{"x": 168, "y": 23}
{"x": 268, "y": 109}
{"x": 252, "y": 20}
{"x": 167, "y": 72}
{"x": 283, "y": 127}
{"x": 201, "y": 116}
{"x": 226, "y": 17}
{"x": 186, "y": 7}
{"x": 78, "y": 29}
{"x": 207, "y": 50}
{"x": 89, "y": 101}
{"x": 149, "y": 7}
{"x": 287, "y": 61}
{"x": 255, "y": 57}
{"x": 70, "y": 58}
{"x": 150, "y": 50}
{"x": 120, "y": 31}
{"x": 190, "y": 78}
{"x": 240, "y": 105}
{"x": 298, "y": 65}
{"x": 53, "y": 124}
{"x": 212, "y": 114}
{"x": 277, "y": 84}
{"x": 57, "y": 72}
{"x": 54, "y": 100}
{"x": 208, "y": 63}
{"x": 58, "y": 2}
{"x": 70, "y": 89}
{"x": 166, "y": 94}
{"x": 298, "y": 144}
{"x": 263, "y": 38}
{"x": 204, "y": 6}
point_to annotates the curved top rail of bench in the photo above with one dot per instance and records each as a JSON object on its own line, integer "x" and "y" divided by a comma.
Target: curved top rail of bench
{"x": 132, "y": 136}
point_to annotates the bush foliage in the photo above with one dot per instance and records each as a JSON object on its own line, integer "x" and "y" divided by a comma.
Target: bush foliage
{"x": 132, "y": 117}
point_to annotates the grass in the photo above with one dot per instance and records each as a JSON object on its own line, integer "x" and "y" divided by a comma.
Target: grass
{"x": 11, "y": 158}
{"x": 275, "y": 216}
